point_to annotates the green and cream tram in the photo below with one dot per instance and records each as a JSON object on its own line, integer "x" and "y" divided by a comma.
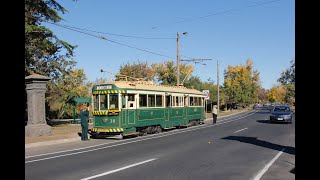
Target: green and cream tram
{"x": 131, "y": 108}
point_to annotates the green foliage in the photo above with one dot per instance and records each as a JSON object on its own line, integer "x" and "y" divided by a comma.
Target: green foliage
{"x": 287, "y": 79}
{"x": 43, "y": 50}
{"x": 60, "y": 91}
{"x": 48, "y": 55}
{"x": 290, "y": 93}
{"x": 288, "y": 76}
{"x": 195, "y": 83}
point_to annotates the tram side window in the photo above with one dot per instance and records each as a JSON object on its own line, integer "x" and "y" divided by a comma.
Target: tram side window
{"x": 159, "y": 100}
{"x": 191, "y": 101}
{"x": 168, "y": 101}
{"x": 180, "y": 101}
{"x": 123, "y": 102}
{"x": 96, "y": 102}
{"x": 114, "y": 101}
{"x": 196, "y": 101}
{"x": 130, "y": 99}
{"x": 186, "y": 101}
{"x": 143, "y": 100}
{"x": 151, "y": 100}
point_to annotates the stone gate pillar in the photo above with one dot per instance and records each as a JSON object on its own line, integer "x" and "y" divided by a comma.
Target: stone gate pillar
{"x": 36, "y": 88}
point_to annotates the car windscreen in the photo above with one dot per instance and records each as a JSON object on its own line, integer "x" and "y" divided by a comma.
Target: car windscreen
{"x": 281, "y": 109}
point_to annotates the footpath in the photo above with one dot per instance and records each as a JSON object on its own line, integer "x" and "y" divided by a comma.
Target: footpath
{"x": 64, "y": 133}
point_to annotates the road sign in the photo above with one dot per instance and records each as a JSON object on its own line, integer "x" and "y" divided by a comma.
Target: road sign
{"x": 206, "y": 93}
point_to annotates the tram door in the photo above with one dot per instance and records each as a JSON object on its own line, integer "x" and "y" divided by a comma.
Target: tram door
{"x": 129, "y": 107}
{"x": 167, "y": 110}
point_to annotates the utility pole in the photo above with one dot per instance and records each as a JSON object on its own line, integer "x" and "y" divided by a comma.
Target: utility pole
{"x": 218, "y": 103}
{"x": 178, "y": 59}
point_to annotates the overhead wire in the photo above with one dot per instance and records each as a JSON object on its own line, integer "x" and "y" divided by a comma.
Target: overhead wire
{"x": 116, "y": 42}
{"x": 128, "y": 36}
{"x": 80, "y": 30}
{"x": 103, "y": 38}
{"x": 216, "y": 13}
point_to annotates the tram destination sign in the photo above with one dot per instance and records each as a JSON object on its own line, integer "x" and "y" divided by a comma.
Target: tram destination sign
{"x": 104, "y": 87}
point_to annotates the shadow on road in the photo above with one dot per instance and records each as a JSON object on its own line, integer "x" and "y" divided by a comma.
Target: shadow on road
{"x": 264, "y": 121}
{"x": 255, "y": 141}
{"x": 268, "y": 122}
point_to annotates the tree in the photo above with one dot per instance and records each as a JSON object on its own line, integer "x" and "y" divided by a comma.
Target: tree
{"x": 166, "y": 72}
{"x": 194, "y": 82}
{"x": 136, "y": 70}
{"x": 262, "y": 95}
{"x": 241, "y": 83}
{"x": 288, "y": 76}
{"x": 43, "y": 49}
{"x": 60, "y": 91}
{"x": 287, "y": 79}
{"x": 48, "y": 55}
{"x": 276, "y": 94}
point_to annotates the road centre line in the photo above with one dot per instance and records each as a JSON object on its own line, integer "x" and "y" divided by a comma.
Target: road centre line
{"x": 232, "y": 115}
{"x": 227, "y": 120}
{"x": 262, "y": 171}
{"x": 147, "y": 138}
{"x": 116, "y": 170}
{"x": 240, "y": 130}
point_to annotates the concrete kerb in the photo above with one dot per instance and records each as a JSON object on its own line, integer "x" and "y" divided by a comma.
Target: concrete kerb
{"x": 37, "y": 144}
{"x": 45, "y": 143}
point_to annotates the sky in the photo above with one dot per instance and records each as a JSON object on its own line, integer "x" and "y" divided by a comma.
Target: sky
{"x": 224, "y": 31}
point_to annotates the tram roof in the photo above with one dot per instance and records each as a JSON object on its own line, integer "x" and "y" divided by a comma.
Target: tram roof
{"x": 143, "y": 85}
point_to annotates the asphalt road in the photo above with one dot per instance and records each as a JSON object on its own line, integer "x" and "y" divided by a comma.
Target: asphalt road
{"x": 243, "y": 146}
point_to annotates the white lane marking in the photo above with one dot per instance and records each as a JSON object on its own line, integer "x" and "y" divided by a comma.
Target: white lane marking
{"x": 265, "y": 169}
{"x": 147, "y": 138}
{"x": 116, "y": 170}
{"x": 226, "y": 120}
{"x": 240, "y": 130}
{"x": 242, "y": 113}
{"x": 138, "y": 140}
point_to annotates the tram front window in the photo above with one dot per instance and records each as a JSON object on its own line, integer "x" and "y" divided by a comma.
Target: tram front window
{"x": 96, "y": 102}
{"x": 113, "y": 101}
{"x": 103, "y": 102}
